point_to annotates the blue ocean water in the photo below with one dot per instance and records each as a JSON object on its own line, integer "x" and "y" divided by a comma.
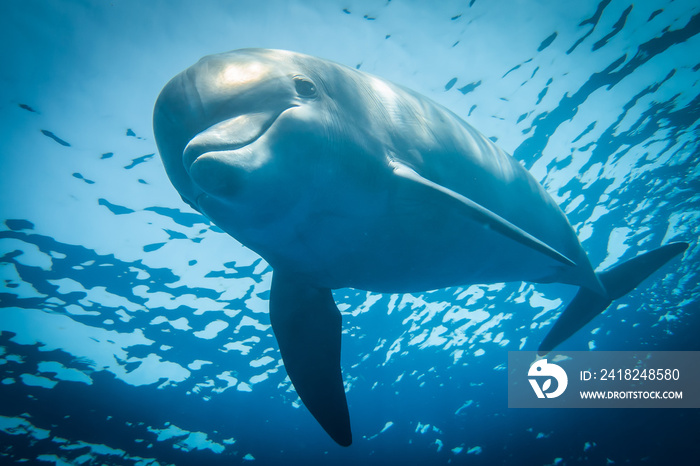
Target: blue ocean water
{"x": 134, "y": 332}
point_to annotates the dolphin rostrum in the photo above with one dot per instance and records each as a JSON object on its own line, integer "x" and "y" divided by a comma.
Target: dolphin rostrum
{"x": 341, "y": 179}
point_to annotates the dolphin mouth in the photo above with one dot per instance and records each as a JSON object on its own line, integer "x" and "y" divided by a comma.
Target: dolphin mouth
{"x": 229, "y": 135}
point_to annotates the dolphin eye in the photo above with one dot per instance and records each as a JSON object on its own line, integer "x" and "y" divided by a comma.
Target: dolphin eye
{"x": 304, "y": 86}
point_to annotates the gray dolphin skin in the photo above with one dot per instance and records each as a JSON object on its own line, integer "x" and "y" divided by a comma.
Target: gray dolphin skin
{"x": 341, "y": 179}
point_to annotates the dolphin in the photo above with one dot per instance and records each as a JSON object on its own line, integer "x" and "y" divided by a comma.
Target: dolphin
{"x": 338, "y": 179}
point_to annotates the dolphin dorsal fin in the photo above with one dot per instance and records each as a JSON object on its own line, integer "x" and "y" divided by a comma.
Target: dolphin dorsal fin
{"x": 481, "y": 214}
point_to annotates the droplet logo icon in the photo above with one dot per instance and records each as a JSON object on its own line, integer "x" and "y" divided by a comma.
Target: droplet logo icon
{"x": 542, "y": 369}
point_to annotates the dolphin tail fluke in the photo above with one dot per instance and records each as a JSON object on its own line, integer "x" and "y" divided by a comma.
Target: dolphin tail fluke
{"x": 618, "y": 281}
{"x": 307, "y": 325}
{"x": 581, "y": 310}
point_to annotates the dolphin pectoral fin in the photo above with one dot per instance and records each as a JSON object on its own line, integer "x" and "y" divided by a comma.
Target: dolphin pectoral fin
{"x": 618, "y": 281}
{"x": 483, "y": 215}
{"x": 307, "y": 325}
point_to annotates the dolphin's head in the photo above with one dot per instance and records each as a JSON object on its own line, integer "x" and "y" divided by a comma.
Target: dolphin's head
{"x": 217, "y": 123}
{"x": 261, "y": 141}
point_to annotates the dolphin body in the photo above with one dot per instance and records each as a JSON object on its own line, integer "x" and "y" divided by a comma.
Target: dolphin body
{"x": 341, "y": 179}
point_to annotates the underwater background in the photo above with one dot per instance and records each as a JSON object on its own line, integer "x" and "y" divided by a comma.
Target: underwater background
{"x": 134, "y": 332}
